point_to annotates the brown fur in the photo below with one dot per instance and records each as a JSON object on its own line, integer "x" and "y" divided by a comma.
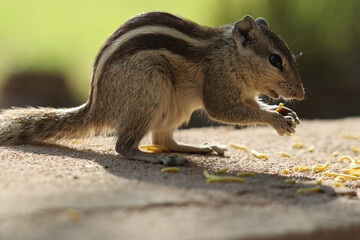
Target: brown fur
{"x": 153, "y": 82}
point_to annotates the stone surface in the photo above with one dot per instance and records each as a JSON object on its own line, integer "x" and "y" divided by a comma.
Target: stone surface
{"x": 82, "y": 189}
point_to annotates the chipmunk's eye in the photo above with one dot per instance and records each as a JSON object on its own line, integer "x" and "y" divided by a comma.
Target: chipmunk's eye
{"x": 276, "y": 61}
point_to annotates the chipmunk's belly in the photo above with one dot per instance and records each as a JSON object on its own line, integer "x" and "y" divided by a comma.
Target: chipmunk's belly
{"x": 172, "y": 113}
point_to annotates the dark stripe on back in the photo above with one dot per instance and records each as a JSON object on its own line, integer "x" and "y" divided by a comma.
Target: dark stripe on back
{"x": 159, "y": 41}
{"x": 168, "y": 20}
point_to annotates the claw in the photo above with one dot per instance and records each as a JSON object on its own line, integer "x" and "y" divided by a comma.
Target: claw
{"x": 174, "y": 159}
{"x": 285, "y": 125}
{"x": 219, "y": 149}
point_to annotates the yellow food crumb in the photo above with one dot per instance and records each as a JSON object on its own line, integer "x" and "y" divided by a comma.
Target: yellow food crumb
{"x": 335, "y": 154}
{"x": 286, "y": 171}
{"x": 355, "y": 149}
{"x": 354, "y": 166}
{"x": 239, "y": 174}
{"x": 312, "y": 189}
{"x": 311, "y": 149}
{"x": 357, "y": 174}
{"x": 352, "y": 172}
{"x": 74, "y": 214}
{"x": 298, "y": 139}
{"x": 340, "y": 179}
{"x": 290, "y": 180}
{"x": 285, "y": 155}
{"x": 170, "y": 169}
{"x": 297, "y": 145}
{"x": 239, "y": 146}
{"x": 279, "y": 107}
{"x": 213, "y": 178}
{"x": 225, "y": 179}
{"x": 319, "y": 181}
{"x": 324, "y": 167}
{"x": 320, "y": 167}
{"x": 302, "y": 168}
{"x": 154, "y": 148}
{"x": 342, "y": 158}
{"x": 259, "y": 155}
{"x": 349, "y": 135}
{"x": 223, "y": 170}
{"x": 356, "y": 161}
{"x": 336, "y": 175}
{"x": 338, "y": 184}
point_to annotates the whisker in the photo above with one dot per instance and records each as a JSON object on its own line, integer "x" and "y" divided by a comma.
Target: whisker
{"x": 306, "y": 52}
{"x": 299, "y": 55}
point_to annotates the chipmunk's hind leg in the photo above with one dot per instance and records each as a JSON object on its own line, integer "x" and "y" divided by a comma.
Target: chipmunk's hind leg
{"x": 165, "y": 138}
{"x": 127, "y": 145}
{"x": 133, "y": 125}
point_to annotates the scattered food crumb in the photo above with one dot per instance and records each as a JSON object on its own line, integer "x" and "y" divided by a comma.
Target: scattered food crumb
{"x": 154, "y": 148}
{"x": 259, "y": 155}
{"x": 338, "y": 184}
{"x": 342, "y": 158}
{"x": 291, "y": 180}
{"x": 336, "y": 175}
{"x": 240, "y": 174}
{"x": 311, "y": 189}
{"x": 286, "y": 171}
{"x": 355, "y": 149}
{"x": 213, "y": 178}
{"x": 238, "y": 146}
{"x": 350, "y": 135}
{"x": 170, "y": 169}
{"x": 223, "y": 170}
{"x": 311, "y": 149}
{"x": 297, "y": 145}
{"x": 319, "y": 181}
{"x": 74, "y": 214}
{"x": 335, "y": 154}
{"x": 285, "y": 155}
{"x": 302, "y": 168}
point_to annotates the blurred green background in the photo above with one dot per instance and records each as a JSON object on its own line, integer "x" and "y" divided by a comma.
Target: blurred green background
{"x": 63, "y": 37}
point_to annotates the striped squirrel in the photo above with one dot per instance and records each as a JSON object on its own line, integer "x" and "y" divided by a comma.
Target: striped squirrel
{"x": 155, "y": 70}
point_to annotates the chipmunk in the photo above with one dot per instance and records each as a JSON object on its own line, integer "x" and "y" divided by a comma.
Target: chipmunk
{"x": 155, "y": 70}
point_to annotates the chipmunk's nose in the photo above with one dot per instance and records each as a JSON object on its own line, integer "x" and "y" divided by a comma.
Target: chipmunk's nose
{"x": 299, "y": 95}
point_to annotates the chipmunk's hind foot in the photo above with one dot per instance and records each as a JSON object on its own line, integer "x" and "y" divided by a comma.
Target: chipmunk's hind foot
{"x": 171, "y": 159}
{"x": 174, "y": 159}
{"x": 165, "y": 138}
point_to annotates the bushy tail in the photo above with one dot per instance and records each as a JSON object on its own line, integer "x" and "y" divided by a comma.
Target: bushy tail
{"x": 30, "y": 125}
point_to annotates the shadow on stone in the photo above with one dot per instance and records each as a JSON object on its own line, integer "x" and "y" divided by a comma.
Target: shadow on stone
{"x": 264, "y": 186}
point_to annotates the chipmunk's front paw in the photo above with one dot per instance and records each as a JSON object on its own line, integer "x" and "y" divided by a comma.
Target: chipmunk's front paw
{"x": 284, "y": 125}
{"x": 218, "y": 148}
{"x": 287, "y": 112}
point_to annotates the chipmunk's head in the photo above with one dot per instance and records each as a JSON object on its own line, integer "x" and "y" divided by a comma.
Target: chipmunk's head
{"x": 274, "y": 71}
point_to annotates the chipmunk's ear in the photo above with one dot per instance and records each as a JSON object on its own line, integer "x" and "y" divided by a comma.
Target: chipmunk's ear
{"x": 247, "y": 29}
{"x": 262, "y": 21}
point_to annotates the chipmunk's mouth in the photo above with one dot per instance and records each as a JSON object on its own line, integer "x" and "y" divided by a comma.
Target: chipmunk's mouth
{"x": 271, "y": 93}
